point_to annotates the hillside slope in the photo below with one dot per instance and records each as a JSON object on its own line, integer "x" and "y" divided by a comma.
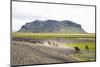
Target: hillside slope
{"x": 65, "y": 26}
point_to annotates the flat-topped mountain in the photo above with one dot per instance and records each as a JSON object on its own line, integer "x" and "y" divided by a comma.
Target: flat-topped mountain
{"x": 52, "y": 26}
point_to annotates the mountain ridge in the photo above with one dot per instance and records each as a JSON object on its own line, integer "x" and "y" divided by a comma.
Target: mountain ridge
{"x": 53, "y": 26}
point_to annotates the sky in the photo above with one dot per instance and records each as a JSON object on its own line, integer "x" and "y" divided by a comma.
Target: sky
{"x": 23, "y": 12}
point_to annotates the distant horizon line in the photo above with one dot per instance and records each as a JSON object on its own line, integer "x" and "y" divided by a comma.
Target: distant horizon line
{"x": 55, "y": 32}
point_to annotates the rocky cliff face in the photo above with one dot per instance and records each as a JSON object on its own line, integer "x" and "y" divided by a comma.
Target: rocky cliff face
{"x": 52, "y": 26}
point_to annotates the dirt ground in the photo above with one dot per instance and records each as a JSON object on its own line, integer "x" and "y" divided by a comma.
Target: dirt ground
{"x": 28, "y": 53}
{"x": 25, "y": 52}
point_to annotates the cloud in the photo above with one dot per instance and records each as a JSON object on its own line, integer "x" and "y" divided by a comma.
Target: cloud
{"x": 23, "y": 12}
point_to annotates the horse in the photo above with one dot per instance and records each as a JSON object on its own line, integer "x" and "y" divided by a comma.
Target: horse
{"x": 77, "y": 48}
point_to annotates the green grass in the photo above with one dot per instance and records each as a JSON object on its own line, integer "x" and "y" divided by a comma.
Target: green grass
{"x": 52, "y": 35}
{"x": 82, "y": 45}
{"x": 87, "y": 55}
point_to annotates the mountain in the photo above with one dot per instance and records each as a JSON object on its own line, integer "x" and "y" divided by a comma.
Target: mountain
{"x": 51, "y": 26}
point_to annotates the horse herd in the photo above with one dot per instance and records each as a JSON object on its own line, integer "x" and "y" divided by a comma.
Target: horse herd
{"x": 42, "y": 42}
{"x": 28, "y": 40}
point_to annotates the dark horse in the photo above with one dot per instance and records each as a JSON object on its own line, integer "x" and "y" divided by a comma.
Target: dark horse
{"x": 77, "y": 48}
{"x": 86, "y": 47}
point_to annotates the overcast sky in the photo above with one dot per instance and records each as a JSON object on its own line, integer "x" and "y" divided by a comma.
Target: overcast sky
{"x": 23, "y": 12}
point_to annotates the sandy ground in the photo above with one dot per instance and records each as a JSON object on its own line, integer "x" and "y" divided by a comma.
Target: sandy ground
{"x": 23, "y": 53}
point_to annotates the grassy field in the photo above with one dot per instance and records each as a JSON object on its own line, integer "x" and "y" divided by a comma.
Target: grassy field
{"x": 82, "y": 45}
{"x": 52, "y": 35}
